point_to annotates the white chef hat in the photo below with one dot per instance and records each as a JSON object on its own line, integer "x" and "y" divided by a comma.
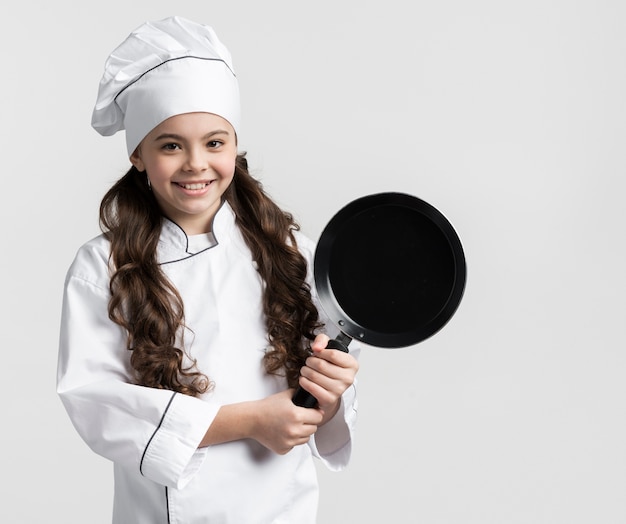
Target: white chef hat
{"x": 163, "y": 69}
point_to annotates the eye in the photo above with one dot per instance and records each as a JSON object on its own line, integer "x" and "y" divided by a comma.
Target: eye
{"x": 214, "y": 144}
{"x": 170, "y": 146}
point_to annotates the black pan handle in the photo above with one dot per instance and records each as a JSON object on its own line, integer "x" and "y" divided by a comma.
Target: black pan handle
{"x": 302, "y": 397}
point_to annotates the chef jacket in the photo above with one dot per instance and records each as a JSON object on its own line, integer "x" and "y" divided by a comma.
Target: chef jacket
{"x": 152, "y": 435}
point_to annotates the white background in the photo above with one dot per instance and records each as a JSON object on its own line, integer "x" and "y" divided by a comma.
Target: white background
{"x": 510, "y": 117}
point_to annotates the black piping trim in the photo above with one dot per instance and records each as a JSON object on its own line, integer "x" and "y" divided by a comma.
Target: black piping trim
{"x": 155, "y": 432}
{"x": 190, "y": 255}
{"x": 217, "y": 242}
{"x": 165, "y": 62}
{"x": 167, "y": 504}
{"x": 184, "y": 234}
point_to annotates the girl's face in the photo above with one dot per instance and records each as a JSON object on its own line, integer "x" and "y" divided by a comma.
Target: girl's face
{"x": 190, "y": 162}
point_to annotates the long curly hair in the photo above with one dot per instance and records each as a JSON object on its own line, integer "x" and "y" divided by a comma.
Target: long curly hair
{"x": 149, "y": 308}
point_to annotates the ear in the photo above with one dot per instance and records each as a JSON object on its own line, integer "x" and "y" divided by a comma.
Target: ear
{"x": 135, "y": 159}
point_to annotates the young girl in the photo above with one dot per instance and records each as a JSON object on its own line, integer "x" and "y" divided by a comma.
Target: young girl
{"x": 188, "y": 323}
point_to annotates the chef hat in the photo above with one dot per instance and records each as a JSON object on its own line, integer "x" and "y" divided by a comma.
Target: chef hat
{"x": 163, "y": 69}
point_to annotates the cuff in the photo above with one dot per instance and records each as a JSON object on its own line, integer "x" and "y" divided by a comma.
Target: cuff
{"x": 332, "y": 443}
{"x": 172, "y": 456}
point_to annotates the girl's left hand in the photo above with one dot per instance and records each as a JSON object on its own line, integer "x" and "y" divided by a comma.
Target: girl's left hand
{"x": 327, "y": 374}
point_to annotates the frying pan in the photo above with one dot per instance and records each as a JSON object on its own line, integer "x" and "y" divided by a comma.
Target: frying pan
{"x": 390, "y": 272}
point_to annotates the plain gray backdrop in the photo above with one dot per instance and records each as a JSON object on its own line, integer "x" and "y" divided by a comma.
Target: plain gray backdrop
{"x": 510, "y": 117}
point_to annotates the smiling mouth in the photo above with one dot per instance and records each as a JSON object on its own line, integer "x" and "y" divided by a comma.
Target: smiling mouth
{"x": 197, "y": 185}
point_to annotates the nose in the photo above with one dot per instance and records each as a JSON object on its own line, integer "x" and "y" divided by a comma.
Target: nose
{"x": 196, "y": 161}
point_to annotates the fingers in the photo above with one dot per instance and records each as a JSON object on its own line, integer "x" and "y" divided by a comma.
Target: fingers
{"x": 327, "y": 393}
{"x": 323, "y": 371}
{"x": 286, "y": 447}
{"x": 332, "y": 362}
{"x": 326, "y": 380}
{"x": 328, "y": 372}
{"x": 283, "y": 425}
{"x": 337, "y": 357}
{"x": 330, "y": 387}
{"x": 320, "y": 342}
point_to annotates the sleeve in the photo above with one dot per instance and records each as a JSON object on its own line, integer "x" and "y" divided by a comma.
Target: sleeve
{"x": 332, "y": 443}
{"x": 154, "y": 431}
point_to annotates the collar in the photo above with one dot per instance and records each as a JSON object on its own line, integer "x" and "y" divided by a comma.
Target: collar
{"x": 174, "y": 242}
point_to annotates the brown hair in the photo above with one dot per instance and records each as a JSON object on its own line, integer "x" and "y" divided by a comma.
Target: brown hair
{"x": 146, "y": 304}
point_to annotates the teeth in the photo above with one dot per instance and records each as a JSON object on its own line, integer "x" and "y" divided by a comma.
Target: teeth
{"x": 194, "y": 186}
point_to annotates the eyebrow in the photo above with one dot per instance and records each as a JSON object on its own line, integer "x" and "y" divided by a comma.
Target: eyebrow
{"x": 174, "y": 136}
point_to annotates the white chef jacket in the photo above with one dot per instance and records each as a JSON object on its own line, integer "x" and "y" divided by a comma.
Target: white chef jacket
{"x": 152, "y": 435}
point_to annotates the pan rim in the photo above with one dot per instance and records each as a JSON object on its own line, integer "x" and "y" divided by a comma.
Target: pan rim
{"x": 351, "y": 327}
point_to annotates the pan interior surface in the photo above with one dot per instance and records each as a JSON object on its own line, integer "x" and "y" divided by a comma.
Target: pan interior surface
{"x": 389, "y": 272}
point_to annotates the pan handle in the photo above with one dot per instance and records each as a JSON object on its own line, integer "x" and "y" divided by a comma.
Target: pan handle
{"x": 302, "y": 397}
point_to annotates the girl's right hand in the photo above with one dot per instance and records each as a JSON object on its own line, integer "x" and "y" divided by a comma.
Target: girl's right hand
{"x": 280, "y": 425}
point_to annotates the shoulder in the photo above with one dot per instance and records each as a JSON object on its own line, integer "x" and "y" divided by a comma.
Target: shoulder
{"x": 91, "y": 262}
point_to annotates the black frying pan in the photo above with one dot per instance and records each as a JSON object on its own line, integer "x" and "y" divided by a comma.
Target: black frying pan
{"x": 390, "y": 271}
